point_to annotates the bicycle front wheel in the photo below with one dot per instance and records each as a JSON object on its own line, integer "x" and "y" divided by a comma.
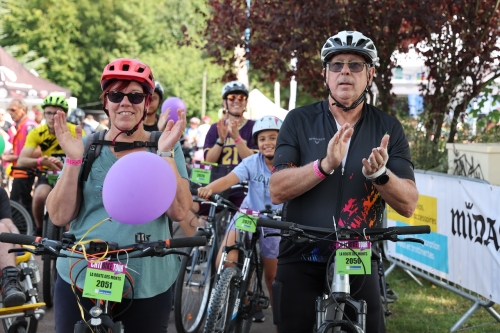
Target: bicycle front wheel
{"x": 223, "y": 306}
{"x": 192, "y": 290}
{"x": 21, "y": 218}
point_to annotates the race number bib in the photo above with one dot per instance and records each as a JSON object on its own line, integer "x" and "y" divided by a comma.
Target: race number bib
{"x": 353, "y": 257}
{"x": 104, "y": 280}
{"x": 246, "y": 220}
{"x": 201, "y": 173}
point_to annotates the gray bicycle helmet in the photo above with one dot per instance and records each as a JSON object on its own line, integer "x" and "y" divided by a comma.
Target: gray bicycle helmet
{"x": 159, "y": 90}
{"x": 234, "y": 87}
{"x": 349, "y": 42}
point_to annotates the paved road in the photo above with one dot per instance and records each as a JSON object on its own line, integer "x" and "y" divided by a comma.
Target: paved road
{"x": 47, "y": 324}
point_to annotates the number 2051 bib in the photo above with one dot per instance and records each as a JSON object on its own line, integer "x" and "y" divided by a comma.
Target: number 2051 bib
{"x": 104, "y": 280}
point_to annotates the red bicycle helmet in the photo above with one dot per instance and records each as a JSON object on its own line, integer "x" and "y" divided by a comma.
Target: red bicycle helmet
{"x": 128, "y": 69}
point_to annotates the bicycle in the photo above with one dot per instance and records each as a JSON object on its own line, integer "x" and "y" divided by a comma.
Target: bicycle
{"x": 239, "y": 293}
{"x": 49, "y": 231}
{"x": 25, "y": 318}
{"x": 330, "y": 316}
{"x": 196, "y": 276}
{"x": 101, "y": 316}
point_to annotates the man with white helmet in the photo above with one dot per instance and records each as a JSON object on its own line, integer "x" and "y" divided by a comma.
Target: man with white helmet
{"x": 334, "y": 166}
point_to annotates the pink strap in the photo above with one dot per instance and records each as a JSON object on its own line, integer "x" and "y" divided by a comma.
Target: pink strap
{"x": 238, "y": 140}
{"x": 316, "y": 170}
{"x": 39, "y": 161}
{"x": 76, "y": 162}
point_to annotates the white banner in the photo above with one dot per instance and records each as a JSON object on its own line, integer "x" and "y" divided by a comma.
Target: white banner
{"x": 464, "y": 244}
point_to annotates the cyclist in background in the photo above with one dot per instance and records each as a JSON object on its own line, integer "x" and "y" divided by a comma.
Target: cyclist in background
{"x": 12, "y": 292}
{"x": 334, "y": 165}
{"x": 227, "y": 142}
{"x": 52, "y": 154}
{"x": 128, "y": 86}
{"x": 151, "y": 121}
{"x": 256, "y": 170}
{"x": 76, "y": 117}
{"x": 23, "y": 182}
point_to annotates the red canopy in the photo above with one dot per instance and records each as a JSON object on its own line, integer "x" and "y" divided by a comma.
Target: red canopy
{"x": 17, "y": 82}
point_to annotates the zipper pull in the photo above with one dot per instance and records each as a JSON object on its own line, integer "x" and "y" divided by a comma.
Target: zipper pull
{"x": 342, "y": 171}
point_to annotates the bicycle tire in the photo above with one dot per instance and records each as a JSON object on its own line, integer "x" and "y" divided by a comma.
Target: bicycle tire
{"x": 49, "y": 264}
{"x": 191, "y": 297}
{"x": 21, "y": 218}
{"x": 7, "y": 323}
{"x": 222, "y": 306}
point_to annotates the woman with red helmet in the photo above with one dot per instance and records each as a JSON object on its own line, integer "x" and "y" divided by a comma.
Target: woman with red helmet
{"x": 127, "y": 85}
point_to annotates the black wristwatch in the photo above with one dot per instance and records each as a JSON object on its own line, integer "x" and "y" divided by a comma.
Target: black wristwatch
{"x": 382, "y": 179}
{"x": 219, "y": 144}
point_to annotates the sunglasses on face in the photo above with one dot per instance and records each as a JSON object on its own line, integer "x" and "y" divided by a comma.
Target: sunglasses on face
{"x": 232, "y": 97}
{"x": 133, "y": 97}
{"x": 354, "y": 66}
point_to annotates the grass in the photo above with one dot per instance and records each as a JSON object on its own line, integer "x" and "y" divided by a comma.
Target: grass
{"x": 432, "y": 309}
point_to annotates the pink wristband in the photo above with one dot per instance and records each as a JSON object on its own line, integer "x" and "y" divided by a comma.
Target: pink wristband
{"x": 316, "y": 170}
{"x": 39, "y": 161}
{"x": 238, "y": 140}
{"x": 76, "y": 162}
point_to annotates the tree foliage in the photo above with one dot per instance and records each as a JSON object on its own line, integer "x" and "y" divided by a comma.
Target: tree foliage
{"x": 282, "y": 30}
{"x": 463, "y": 59}
{"x": 79, "y": 37}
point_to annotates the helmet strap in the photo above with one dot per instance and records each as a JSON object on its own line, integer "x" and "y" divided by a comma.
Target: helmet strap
{"x": 354, "y": 105}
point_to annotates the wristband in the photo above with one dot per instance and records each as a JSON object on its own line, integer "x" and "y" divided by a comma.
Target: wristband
{"x": 375, "y": 175}
{"x": 239, "y": 139}
{"x": 317, "y": 170}
{"x": 219, "y": 144}
{"x": 73, "y": 162}
{"x": 39, "y": 161}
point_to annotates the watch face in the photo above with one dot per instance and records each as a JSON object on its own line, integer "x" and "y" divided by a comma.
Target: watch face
{"x": 382, "y": 179}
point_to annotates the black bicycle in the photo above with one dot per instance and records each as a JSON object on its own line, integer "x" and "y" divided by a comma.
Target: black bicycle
{"x": 101, "y": 316}
{"x": 239, "y": 293}
{"x": 21, "y": 218}
{"x": 347, "y": 258}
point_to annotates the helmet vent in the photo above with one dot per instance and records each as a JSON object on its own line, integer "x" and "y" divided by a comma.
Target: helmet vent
{"x": 349, "y": 40}
{"x": 125, "y": 67}
{"x": 140, "y": 69}
{"x": 361, "y": 42}
{"x": 112, "y": 68}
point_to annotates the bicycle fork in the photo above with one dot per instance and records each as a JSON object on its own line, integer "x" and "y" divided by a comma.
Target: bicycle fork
{"x": 330, "y": 308}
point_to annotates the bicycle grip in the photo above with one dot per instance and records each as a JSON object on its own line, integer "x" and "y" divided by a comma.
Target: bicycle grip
{"x": 414, "y": 230}
{"x": 268, "y": 223}
{"x": 186, "y": 242}
{"x": 7, "y": 237}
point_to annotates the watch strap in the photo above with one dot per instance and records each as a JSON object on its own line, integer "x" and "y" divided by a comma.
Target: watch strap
{"x": 169, "y": 153}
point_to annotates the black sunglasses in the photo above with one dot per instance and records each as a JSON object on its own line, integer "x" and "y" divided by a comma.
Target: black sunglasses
{"x": 133, "y": 97}
{"x": 354, "y": 66}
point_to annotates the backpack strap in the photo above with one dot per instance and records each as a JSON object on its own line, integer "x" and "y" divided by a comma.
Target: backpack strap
{"x": 155, "y": 137}
{"x": 90, "y": 153}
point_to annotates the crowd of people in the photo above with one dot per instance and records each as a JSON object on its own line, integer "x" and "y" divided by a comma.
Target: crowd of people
{"x": 320, "y": 165}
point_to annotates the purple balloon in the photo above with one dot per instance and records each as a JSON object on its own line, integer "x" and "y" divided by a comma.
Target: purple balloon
{"x": 138, "y": 188}
{"x": 173, "y": 103}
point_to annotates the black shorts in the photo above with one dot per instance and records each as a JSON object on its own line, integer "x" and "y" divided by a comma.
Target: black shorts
{"x": 42, "y": 180}
{"x": 298, "y": 284}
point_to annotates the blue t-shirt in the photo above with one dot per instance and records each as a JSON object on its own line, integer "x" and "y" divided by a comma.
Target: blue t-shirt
{"x": 152, "y": 276}
{"x": 254, "y": 170}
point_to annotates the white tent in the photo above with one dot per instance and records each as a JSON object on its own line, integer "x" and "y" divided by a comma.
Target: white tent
{"x": 259, "y": 106}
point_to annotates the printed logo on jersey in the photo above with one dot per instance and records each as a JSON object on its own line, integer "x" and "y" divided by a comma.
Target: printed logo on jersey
{"x": 362, "y": 212}
{"x": 317, "y": 140}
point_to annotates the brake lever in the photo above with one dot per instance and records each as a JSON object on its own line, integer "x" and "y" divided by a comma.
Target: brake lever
{"x": 22, "y": 249}
{"x": 411, "y": 239}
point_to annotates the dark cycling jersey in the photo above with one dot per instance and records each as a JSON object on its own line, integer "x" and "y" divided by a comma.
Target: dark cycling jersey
{"x": 346, "y": 195}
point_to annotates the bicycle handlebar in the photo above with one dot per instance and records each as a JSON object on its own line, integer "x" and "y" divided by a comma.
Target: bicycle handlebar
{"x": 378, "y": 234}
{"x": 217, "y": 199}
{"x": 146, "y": 248}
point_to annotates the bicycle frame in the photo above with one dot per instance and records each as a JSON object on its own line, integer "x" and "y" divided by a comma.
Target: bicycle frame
{"x": 28, "y": 314}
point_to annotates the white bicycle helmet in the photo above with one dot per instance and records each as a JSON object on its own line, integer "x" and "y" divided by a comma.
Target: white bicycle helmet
{"x": 233, "y": 87}
{"x": 349, "y": 42}
{"x": 265, "y": 123}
